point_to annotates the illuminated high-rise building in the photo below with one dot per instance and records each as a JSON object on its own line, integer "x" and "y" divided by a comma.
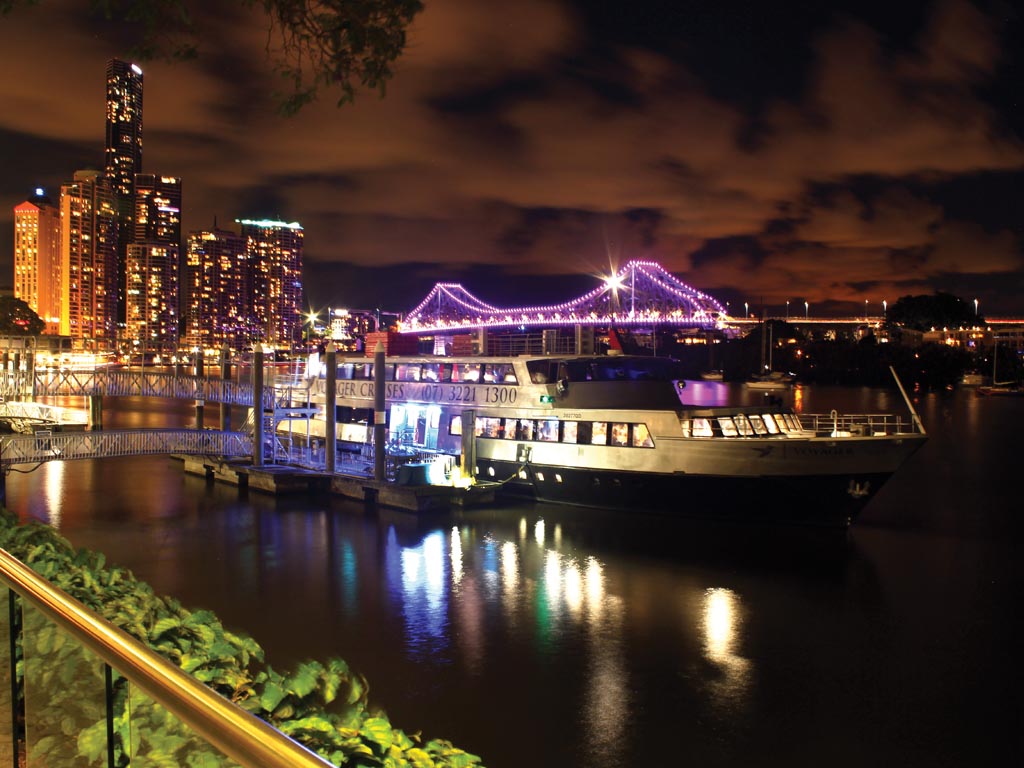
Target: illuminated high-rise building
{"x": 218, "y": 290}
{"x": 88, "y": 251}
{"x": 123, "y": 156}
{"x": 37, "y": 262}
{"x": 152, "y": 295}
{"x": 153, "y": 262}
{"x": 275, "y": 253}
{"x": 124, "y": 127}
{"x": 157, "y": 216}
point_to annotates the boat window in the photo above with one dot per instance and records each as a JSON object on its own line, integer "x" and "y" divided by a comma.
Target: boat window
{"x": 345, "y": 371}
{"x": 584, "y": 432}
{"x": 407, "y": 372}
{"x": 620, "y": 434}
{"x": 362, "y": 371}
{"x": 728, "y": 426}
{"x": 599, "y": 433}
{"x": 642, "y": 437}
{"x": 466, "y": 372}
{"x": 389, "y": 372}
{"x": 455, "y": 425}
{"x": 488, "y": 427}
{"x": 547, "y": 430}
{"x": 702, "y": 428}
{"x": 769, "y": 422}
{"x": 686, "y": 427}
{"x": 526, "y": 429}
{"x": 759, "y": 427}
{"x": 569, "y": 431}
{"x": 541, "y": 371}
{"x": 743, "y": 425}
{"x": 430, "y": 372}
{"x": 510, "y": 429}
{"x": 500, "y": 373}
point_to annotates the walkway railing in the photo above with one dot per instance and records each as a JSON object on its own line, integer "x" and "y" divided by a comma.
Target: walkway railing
{"x": 43, "y": 412}
{"x": 62, "y": 446}
{"x": 66, "y": 699}
{"x": 127, "y": 383}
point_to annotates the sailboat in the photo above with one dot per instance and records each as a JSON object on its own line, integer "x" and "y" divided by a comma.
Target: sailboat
{"x": 1000, "y": 388}
{"x": 768, "y": 378}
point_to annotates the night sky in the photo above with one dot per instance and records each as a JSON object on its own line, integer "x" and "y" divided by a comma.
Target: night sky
{"x": 764, "y": 152}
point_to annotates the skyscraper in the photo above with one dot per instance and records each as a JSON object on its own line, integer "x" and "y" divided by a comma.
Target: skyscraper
{"x": 152, "y": 295}
{"x": 37, "y": 262}
{"x": 124, "y": 127}
{"x": 152, "y": 262}
{"x": 218, "y": 290}
{"x": 88, "y": 251}
{"x": 123, "y": 158}
{"x": 275, "y": 258}
{"x": 157, "y": 209}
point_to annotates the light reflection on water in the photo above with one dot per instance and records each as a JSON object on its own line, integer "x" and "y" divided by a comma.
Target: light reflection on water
{"x": 568, "y": 638}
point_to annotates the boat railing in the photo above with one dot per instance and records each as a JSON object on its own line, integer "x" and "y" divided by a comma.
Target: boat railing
{"x": 86, "y": 692}
{"x": 836, "y": 424}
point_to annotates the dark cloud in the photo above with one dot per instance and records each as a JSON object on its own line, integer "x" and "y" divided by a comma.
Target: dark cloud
{"x": 826, "y": 152}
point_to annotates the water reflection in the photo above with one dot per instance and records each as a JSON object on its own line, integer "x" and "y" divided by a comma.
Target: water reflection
{"x": 721, "y": 624}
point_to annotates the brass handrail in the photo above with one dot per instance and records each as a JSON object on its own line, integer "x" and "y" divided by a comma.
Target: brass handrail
{"x": 238, "y": 734}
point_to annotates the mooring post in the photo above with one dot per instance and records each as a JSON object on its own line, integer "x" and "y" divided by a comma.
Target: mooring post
{"x": 257, "y": 406}
{"x": 380, "y": 416}
{"x": 200, "y": 402}
{"x": 30, "y": 371}
{"x": 95, "y": 412}
{"x": 225, "y": 374}
{"x": 331, "y": 410}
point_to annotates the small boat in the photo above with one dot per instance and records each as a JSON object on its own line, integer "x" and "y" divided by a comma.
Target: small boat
{"x": 1006, "y": 389}
{"x": 773, "y": 380}
{"x": 712, "y": 375}
{"x": 769, "y": 379}
{"x": 972, "y": 379}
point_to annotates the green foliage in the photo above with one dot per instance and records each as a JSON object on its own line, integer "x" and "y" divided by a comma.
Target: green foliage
{"x": 323, "y": 705}
{"x": 17, "y": 318}
{"x": 941, "y": 310}
{"x": 311, "y": 44}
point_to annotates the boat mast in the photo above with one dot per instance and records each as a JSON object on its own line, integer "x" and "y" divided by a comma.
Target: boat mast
{"x": 910, "y": 405}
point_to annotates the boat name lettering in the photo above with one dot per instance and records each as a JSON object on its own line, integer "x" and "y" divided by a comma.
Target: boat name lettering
{"x": 830, "y": 451}
{"x": 432, "y": 393}
{"x": 572, "y": 415}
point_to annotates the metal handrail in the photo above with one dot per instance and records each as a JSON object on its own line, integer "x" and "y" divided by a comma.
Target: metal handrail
{"x": 238, "y": 734}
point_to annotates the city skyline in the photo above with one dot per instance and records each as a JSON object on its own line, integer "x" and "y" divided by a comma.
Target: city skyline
{"x": 851, "y": 152}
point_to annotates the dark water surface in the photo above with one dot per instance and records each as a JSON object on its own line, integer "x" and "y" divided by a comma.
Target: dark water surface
{"x": 536, "y": 635}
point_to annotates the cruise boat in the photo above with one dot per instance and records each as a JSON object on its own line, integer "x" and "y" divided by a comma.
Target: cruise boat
{"x": 617, "y": 431}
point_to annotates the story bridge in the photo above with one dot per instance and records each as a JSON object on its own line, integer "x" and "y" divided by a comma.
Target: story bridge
{"x": 642, "y": 293}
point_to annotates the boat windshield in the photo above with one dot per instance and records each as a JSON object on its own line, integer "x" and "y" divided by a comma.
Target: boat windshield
{"x": 604, "y": 369}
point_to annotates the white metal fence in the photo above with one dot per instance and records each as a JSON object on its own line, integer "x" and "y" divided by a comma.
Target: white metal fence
{"x": 62, "y": 446}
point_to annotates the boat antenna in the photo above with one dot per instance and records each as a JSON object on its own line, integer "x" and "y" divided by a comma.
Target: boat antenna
{"x": 910, "y": 405}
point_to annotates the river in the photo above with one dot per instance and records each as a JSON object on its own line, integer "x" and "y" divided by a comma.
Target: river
{"x": 541, "y": 636}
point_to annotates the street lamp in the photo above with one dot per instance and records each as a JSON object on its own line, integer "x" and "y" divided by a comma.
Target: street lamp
{"x": 885, "y": 308}
{"x": 746, "y": 310}
{"x": 807, "y": 311}
{"x": 787, "y": 310}
{"x": 975, "y": 307}
{"x": 865, "y": 309}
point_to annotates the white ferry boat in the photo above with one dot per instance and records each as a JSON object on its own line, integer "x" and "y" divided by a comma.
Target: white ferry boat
{"x": 616, "y": 431}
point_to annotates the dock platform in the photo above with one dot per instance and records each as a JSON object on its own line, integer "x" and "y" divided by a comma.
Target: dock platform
{"x": 279, "y": 479}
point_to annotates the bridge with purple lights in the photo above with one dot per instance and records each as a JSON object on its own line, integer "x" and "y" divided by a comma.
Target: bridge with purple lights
{"x": 641, "y": 294}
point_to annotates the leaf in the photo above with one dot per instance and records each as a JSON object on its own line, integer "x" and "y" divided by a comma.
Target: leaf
{"x": 305, "y": 679}
{"x": 164, "y": 625}
{"x": 272, "y": 696}
{"x": 418, "y": 758}
{"x": 378, "y": 730}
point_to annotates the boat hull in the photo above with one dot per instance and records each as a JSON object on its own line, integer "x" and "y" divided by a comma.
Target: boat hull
{"x": 829, "y": 500}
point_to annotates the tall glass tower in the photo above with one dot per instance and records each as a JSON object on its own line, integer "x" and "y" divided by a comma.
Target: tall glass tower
{"x": 123, "y": 159}
{"x": 124, "y": 127}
